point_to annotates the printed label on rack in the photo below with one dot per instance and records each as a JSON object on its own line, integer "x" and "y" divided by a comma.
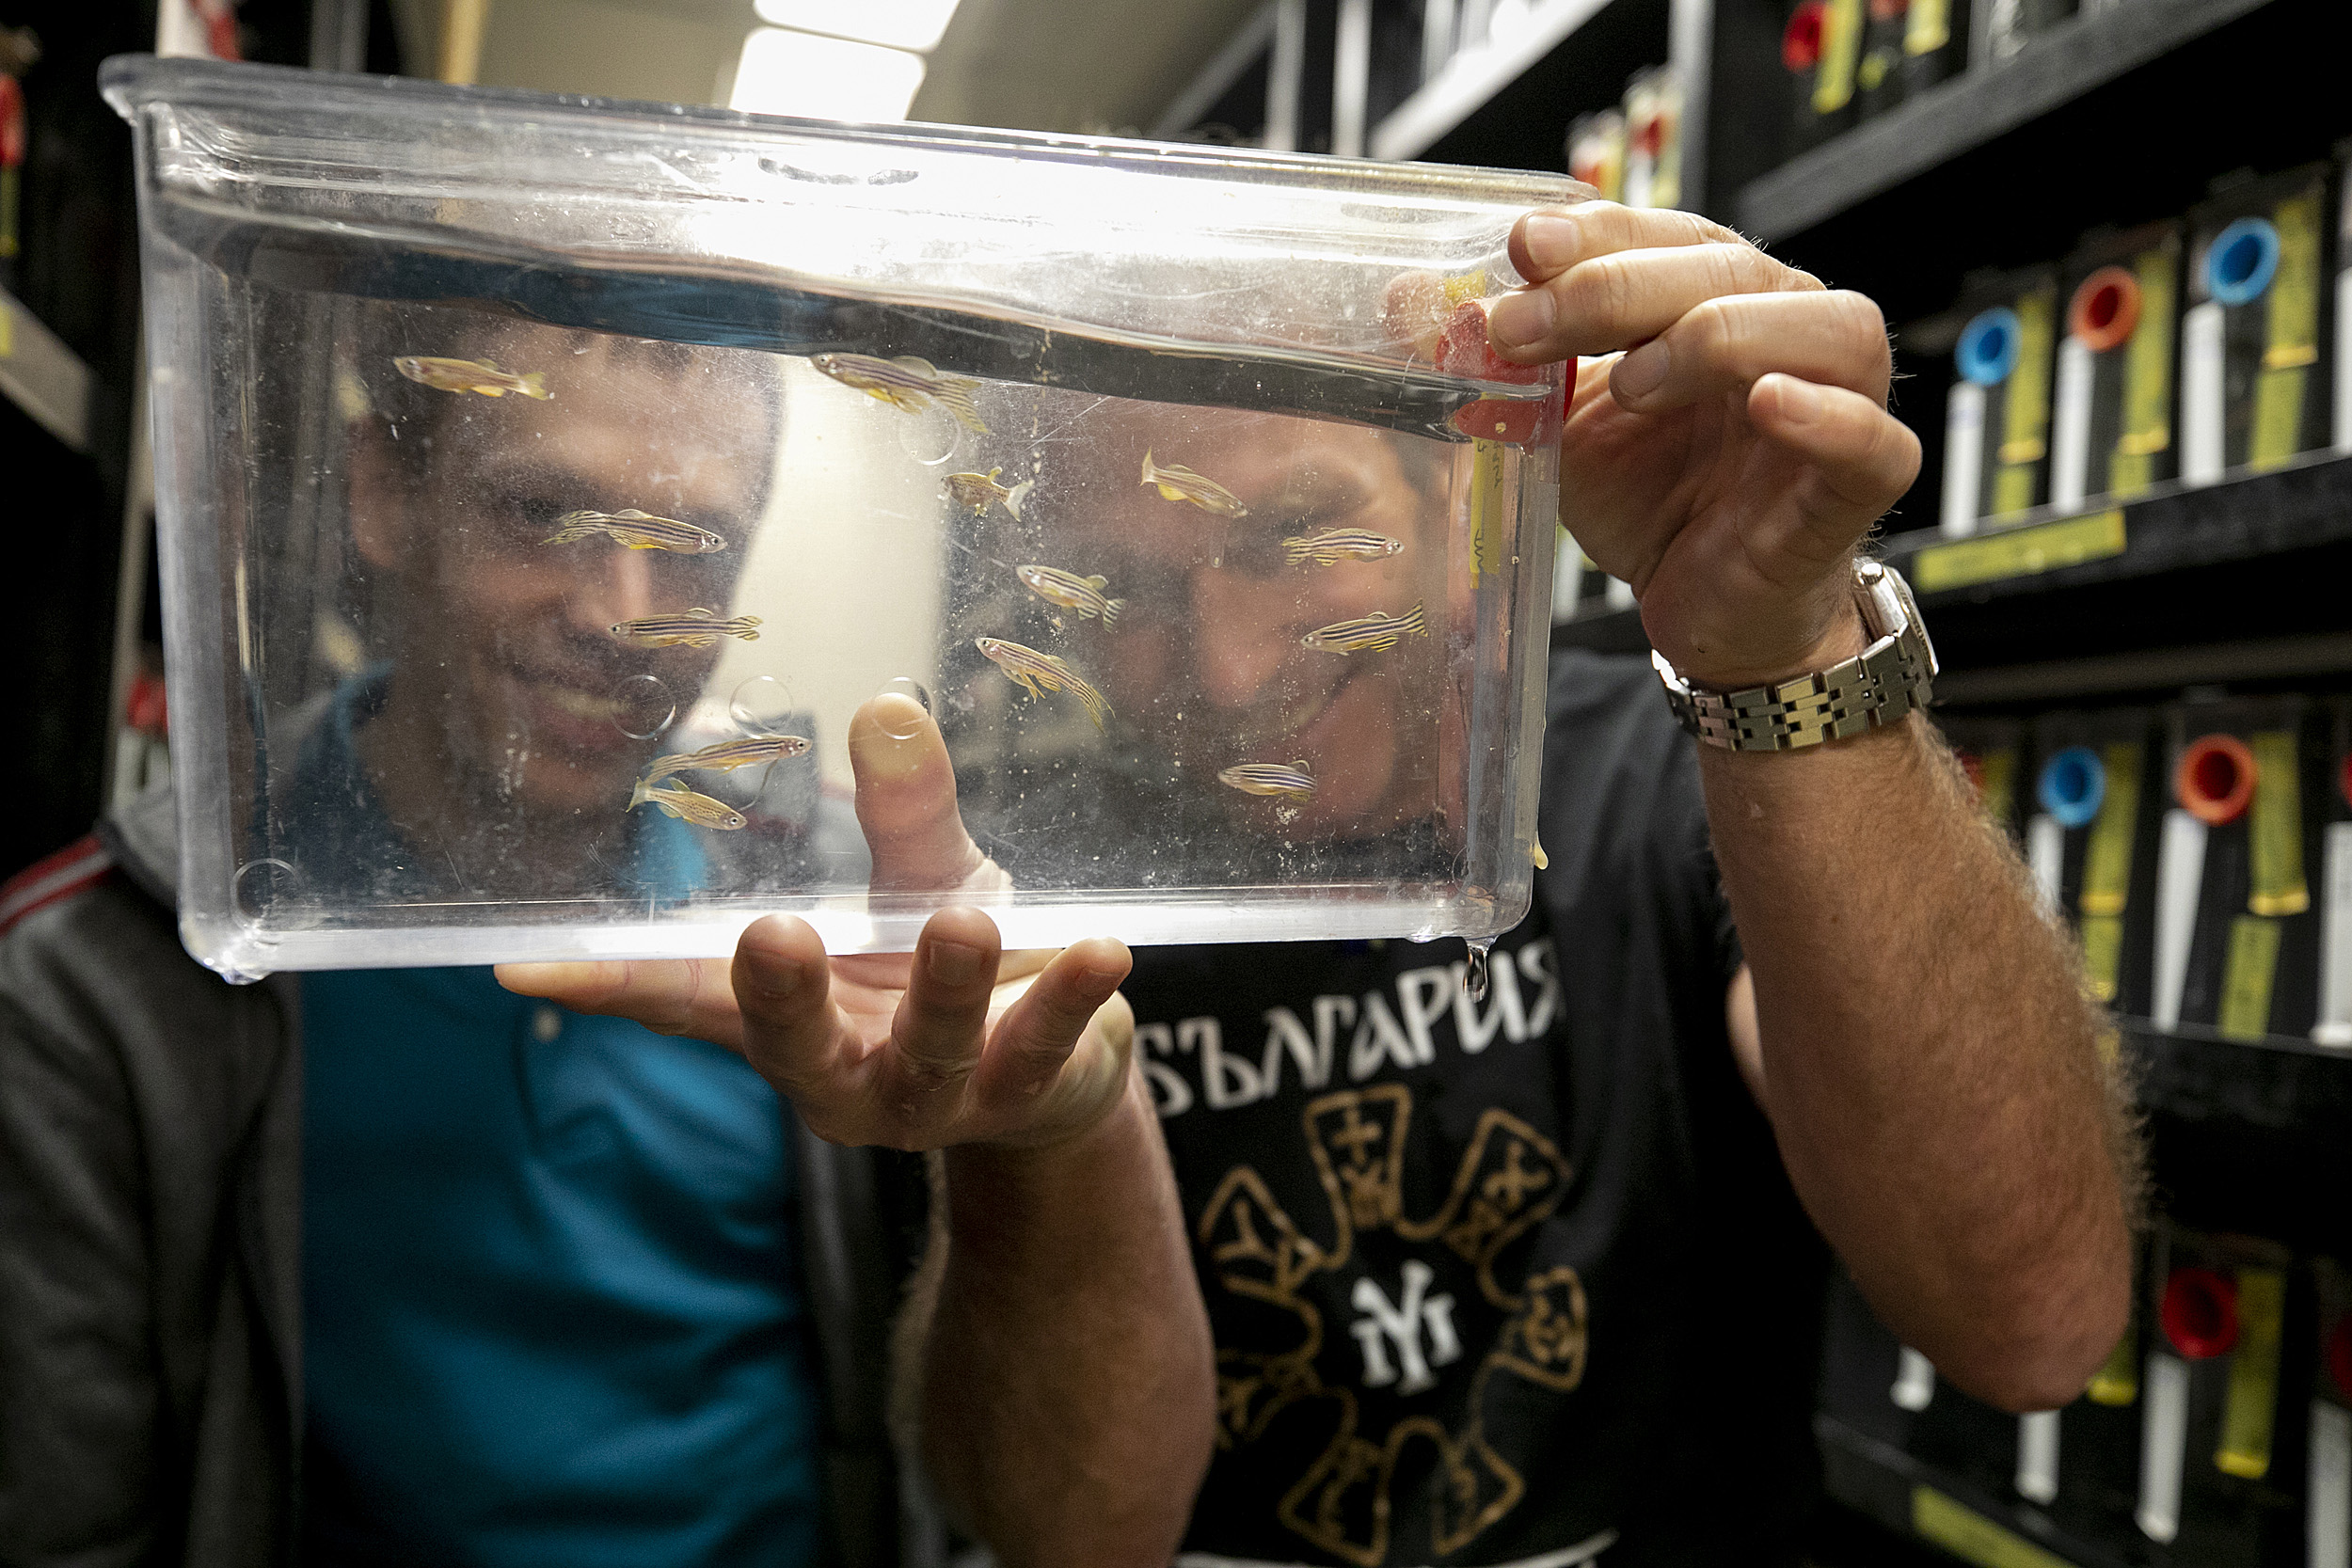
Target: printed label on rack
{"x": 2277, "y": 821}
{"x": 8, "y": 333}
{"x": 2147, "y": 381}
{"x": 1963, "y": 458}
{"x": 1970, "y": 1536}
{"x": 2117, "y": 1383}
{"x": 2202, "y": 455}
{"x": 2070, "y": 442}
{"x": 2253, "y": 964}
{"x": 2293, "y": 338}
{"x": 1928, "y": 27}
{"x": 1841, "y": 44}
{"x": 2107, "y": 858}
{"x": 2246, "y": 1416}
{"x": 2019, "y": 552}
{"x": 1996, "y": 784}
{"x": 2102, "y": 953}
{"x": 2335, "y": 943}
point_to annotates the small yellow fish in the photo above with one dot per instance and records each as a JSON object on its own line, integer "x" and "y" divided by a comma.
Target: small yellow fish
{"x": 1029, "y": 670}
{"x": 1366, "y": 634}
{"x": 976, "y": 490}
{"x": 687, "y": 806}
{"x": 1271, "y": 778}
{"x": 639, "y": 531}
{"x": 727, "y": 755}
{"x": 1070, "y": 591}
{"x": 471, "y": 375}
{"x": 696, "y": 629}
{"x": 907, "y": 384}
{"x": 1334, "y": 546}
{"x": 1183, "y": 485}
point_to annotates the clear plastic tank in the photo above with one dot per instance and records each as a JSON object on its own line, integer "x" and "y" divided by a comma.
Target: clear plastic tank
{"x": 542, "y": 483}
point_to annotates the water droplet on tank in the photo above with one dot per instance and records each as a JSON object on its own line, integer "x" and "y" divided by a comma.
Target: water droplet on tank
{"x": 274, "y": 891}
{"x": 760, "y": 703}
{"x": 929, "y": 437}
{"x": 1474, "y": 972}
{"x": 645, "y": 707}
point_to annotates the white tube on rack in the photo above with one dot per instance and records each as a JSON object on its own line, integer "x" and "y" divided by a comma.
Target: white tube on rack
{"x": 2038, "y": 1456}
{"x": 2163, "y": 1446}
{"x": 2328, "y": 1516}
{"x": 2070, "y": 445}
{"x": 2180, "y": 884}
{"x": 2202, "y": 455}
{"x": 1915, "y": 1380}
{"x": 1620, "y": 594}
{"x": 2045, "y": 855}
{"x": 2334, "y": 1027}
{"x": 1964, "y": 454}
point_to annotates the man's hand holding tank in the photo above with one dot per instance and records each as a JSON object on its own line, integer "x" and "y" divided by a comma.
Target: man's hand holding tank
{"x": 1727, "y": 463}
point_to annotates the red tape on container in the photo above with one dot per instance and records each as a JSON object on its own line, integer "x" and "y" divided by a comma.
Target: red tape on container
{"x": 1463, "y": 348}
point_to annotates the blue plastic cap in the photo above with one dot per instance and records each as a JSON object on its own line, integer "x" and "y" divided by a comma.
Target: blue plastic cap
{"x": 2072, "y": 785}
{"x": 2242, "y": 261}
{"x": 1988, "y": 347}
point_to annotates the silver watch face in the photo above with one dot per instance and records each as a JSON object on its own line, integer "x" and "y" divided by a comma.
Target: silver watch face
{"x": 1919, "y": 621}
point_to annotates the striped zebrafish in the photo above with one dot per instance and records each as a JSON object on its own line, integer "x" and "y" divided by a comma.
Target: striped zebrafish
{"x": 1271, "y": 778}
{"x": 471, "y": 375}
{"x": 696, "y": 629}
{"x": 1072, "y": 592}
{"x": 727, "y": 755}
{"x": 1183, "y": 485}
{"x": 907, "y": 384}
{"x": 687, "y": 806}
{"x": 976, "y": 490}
{"x": 1334, "y": 546}
{"x": 1030, "y": 670}
{"x": 639, "y": 531}
{"x": 1366, "y": 634}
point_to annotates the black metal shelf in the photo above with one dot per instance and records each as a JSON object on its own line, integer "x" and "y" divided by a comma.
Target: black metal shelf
{"x": 2182, "y": 585}
{"x": 1878, "y": 1480}
{"x": 1972, "y": 109}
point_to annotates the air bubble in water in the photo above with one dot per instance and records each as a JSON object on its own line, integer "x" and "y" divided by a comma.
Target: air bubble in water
{"x": 929, "y": 437}
{"x": 645, "y": 707}
{"x": 760, "y": 704}
{"x": 273, "y": 890}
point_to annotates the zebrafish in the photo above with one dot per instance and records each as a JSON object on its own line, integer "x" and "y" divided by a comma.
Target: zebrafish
{"x": 1183, "y": 485}
{"x": 687, "y": 806}
{"x": 1030, "y": 670}
{"x": 976, "y": 490}
{"x": 1366, "y": 634}
{"x": 1334, "y": 546}
{"x": 471, "y": 375}
{"x": 1271, "y": 778}
{"x": 1070, "y": 590}
{"x": 639, "y": 531}
{"x": 696, "y": 629}
{"x": 727, "y": 755}
{"x": 906, "y": 384}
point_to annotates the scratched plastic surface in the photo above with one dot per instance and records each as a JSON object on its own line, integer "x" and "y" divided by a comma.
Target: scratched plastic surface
{"x": 1222, "y": 569}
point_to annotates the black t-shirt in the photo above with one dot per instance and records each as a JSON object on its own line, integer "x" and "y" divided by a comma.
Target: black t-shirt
{"x": 1494, "y": 1282}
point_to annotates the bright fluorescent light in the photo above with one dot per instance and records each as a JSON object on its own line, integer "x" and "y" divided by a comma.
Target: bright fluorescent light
{"x": 914, "y": 24}
{"x": 785, "y": 73}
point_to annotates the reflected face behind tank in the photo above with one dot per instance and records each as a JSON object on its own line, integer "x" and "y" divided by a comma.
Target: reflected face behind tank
{"x": 1250, "y": 644}
{"x": 508, "y": 680}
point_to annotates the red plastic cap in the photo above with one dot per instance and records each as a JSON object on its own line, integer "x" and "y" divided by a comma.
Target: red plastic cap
{"x": 2200, "y": 1313}
{"x": 1801, "y": 41}
{"x": 2215, "y": 778}
{"x": 2105, "y": 309}
{"x": 1464, "y": 350}
{"x": 2344, "y": 779}
{"x": 145, "y": 708}
{"x": 11, "y": 123}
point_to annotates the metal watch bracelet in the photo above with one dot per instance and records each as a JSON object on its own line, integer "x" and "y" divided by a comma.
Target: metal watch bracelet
{"x": 1874, "y": 689}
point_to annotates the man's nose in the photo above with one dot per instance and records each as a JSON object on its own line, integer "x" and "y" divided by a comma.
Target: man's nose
{"x": 1241, "y": 635}
{"x": 620, "y": 588}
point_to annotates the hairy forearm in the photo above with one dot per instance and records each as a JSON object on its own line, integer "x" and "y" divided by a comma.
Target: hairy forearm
{"x": 1931, "y": 1065}
{"x": 1067, "y": 1395}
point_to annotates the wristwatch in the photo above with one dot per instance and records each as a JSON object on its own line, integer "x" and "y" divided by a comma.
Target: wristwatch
{"x": 1875, "y": 687}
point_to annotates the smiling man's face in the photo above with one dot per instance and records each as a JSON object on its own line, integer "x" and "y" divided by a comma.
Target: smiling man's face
{"x": 509, "y": 669}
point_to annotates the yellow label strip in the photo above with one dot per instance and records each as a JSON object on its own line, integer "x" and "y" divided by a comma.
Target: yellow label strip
{"x": 2117, "y": 1383}
{"x": 2019, "y": 552}
{"x": 2294, "y": 334}
{"x": 2146, "y": 378}
{"x": 2102, "y": 953}
{"x": 2246, "y": 1413}
{"x": 1997, "y": 785}
{"x": 2107, "y": 858}
{"x": 1928, "y": 26}
{"x": 1971, "y": 1537}
{"x": 1841, "y": 43}
{"x": 2252, "y": 965}
{"x": 2025, "y": 404}
{"x": 1486, "y": 504}
{"x": 2277, "y": 819}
